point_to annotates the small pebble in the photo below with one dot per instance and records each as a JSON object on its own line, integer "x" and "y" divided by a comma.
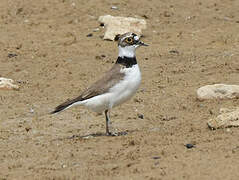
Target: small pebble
{"x": 189, "y": 146}
{"x": 145, "y": 16}
{"x": 89, "y": 35}
{"x": 166, "y": 14}
{"x": 141, "y": 116}
{"x": 64, "y": 166}
{"x": 114, "y": 7}
{"x": 31, "y": 110}
{"x": 156, "y": 157}
{"x": 211, "y": 112}
{"x": 19, "y": 46}
{"x": 173, "y": 52}
{"x": 28, "y": 129}
{"x": 166, "y": 118}
{"x": 100, "y": 57}
{"x": 96, "y": 29}
{"x": 10, "y": 55}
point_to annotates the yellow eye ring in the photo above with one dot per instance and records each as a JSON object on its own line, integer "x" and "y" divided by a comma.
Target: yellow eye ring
{"x": 129, "y": 40}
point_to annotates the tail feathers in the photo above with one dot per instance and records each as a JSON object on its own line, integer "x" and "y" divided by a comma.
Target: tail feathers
{"x": 62, "y": 106}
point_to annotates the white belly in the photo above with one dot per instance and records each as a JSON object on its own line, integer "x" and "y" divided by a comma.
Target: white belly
{"x": 127, "y": 87}
{"x": 118, "y": 94}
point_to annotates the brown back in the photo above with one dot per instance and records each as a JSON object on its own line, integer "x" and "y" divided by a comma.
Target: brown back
{"x": 101, "y": 86}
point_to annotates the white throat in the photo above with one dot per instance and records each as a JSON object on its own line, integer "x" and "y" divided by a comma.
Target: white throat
{"x": 127, "y": 51}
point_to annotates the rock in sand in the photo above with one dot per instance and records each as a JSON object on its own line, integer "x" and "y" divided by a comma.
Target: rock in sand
{"x": 218, "y": 91}
{"x": 7, "y": 84}
{"x": 120, "y": 25}
{"x": 226, "y": 118}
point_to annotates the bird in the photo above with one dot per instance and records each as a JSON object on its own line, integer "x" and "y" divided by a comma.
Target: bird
{"x": 116, "y": 86}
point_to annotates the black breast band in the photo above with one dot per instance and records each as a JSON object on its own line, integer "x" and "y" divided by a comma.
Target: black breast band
{"x": 126, "y": 61}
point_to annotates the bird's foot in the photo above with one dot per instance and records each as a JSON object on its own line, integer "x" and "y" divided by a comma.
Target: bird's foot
{"x": 112, "y": 134}
{"x": 116, "y": 133}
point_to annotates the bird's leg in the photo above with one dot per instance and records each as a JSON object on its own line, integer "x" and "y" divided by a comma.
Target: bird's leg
{"x": 107, "y": 118}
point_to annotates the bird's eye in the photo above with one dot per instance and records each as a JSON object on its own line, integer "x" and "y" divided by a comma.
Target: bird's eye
{"x": 129, "y": 40}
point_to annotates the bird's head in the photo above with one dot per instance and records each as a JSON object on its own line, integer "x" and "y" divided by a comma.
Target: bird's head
{"x": 128, "y": 43}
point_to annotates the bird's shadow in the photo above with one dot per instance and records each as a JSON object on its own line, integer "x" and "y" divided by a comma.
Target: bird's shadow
{"x": 117, "y": 134}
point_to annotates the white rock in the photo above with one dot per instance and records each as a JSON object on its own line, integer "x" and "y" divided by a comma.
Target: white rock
{"x": 119, "y": 25}
{"x": 220, "y": 91}
{"x": 7, "y": 84}
{"x": 31, "y": 110}
{"x": 114, "y": 7}
{"x": 227, "y": 118}
{"x": 96, "y": 29}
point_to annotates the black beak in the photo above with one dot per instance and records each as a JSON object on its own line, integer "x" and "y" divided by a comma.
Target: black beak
{"x": 142, "y": 43}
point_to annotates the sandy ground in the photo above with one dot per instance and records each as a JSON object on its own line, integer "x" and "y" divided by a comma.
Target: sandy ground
{"x": 45, "y": 48}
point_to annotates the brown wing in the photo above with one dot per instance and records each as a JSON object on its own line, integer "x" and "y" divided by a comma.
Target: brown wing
{"x": 99, "y": 87}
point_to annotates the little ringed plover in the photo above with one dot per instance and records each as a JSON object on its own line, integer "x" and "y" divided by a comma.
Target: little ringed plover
{"x": 117, "y": 85}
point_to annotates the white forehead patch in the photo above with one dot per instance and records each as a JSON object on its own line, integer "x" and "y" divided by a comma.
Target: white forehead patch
{"x": 136, "y": 38}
